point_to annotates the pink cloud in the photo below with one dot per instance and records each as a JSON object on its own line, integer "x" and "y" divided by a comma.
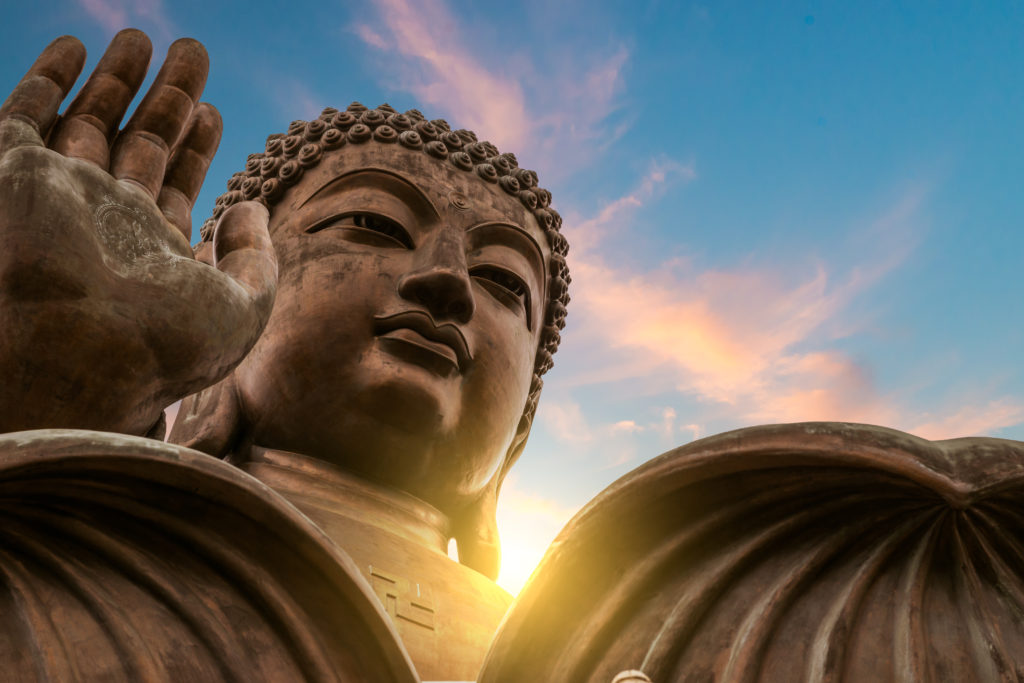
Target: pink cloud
{"x": 114, "y": 15}
{"x": 973, "y": 420}
{"x": 752, "y": 339}
{"x": 542, "y": 106}
{"x": 294, "y": 99}
{"x": 449, "y": 77}
{"x": 371, "y": 37}
{"x": 565, "y": 420}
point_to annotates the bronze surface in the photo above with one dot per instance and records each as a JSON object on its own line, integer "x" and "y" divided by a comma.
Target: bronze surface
{"x": 125, "y": 558}
{"x": 806, "y": 552}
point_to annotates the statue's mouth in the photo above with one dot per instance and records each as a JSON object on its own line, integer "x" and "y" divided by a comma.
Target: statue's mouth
{"x": 414, "y": 335}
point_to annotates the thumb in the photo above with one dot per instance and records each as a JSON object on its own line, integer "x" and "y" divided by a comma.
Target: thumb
{"x": 242, "y": 250}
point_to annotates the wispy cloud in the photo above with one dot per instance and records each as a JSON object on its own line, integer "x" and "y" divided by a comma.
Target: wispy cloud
{"x": 148, "y": 15}
{"x": 294, "y": 99}
{"x": 751, "y": 338}
{"x": 565, "y": 421}
{"x": 441, "y": 72}
{"x": 588, "y": 233}
{"x": 543, "y": 106}
{"x": 973, "y": 420}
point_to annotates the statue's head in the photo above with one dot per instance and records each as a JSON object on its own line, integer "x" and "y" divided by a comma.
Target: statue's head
{"x": 422, "y": 289}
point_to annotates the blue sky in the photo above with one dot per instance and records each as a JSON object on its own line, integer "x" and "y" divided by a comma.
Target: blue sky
{"x": 778, "y": 211}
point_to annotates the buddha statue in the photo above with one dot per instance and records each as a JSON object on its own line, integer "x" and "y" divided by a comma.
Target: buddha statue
{"x": 358, "y": 341}
{"x": 364, "y": 329}
{"x": 421, "y": 290}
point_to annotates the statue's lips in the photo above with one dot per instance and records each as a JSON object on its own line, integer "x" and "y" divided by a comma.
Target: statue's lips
{"x": 416, "y": 333}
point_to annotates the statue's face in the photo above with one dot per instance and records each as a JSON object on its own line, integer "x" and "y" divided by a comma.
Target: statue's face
{"x": 409, "y": 309}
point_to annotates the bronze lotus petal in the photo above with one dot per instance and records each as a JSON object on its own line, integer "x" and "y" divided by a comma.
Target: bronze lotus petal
{"x": 805, "y": 552}
{"x": 146, "y": 550}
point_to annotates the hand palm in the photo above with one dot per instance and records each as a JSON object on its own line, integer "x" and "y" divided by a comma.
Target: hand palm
{"x": 105, "y": 317}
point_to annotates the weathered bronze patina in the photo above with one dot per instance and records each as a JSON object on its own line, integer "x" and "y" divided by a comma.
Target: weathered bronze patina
{"x": 359, "y": 342}
{"x": 806, "y": 552}
{"x": 421, "y": 289}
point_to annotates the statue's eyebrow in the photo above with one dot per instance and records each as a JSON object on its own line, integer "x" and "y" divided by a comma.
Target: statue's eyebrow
{"x": 532, "y": 252}
{"x": 394, "y": 183}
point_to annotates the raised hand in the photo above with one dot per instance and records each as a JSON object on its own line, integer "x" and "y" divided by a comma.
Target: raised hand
{"x": 105, "y": 316}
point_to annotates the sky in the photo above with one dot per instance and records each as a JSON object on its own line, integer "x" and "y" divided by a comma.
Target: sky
{"x": 777, "y": 212}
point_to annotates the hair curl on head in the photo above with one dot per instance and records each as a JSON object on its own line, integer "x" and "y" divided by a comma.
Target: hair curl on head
{"x": 287, "y": 156}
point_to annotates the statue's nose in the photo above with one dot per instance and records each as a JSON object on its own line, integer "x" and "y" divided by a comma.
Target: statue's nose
{"x": 441, "y": 282}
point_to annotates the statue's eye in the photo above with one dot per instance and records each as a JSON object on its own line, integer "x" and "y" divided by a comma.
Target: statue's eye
{"x": 380, "y": 226}
{"x": 503, "y": 284}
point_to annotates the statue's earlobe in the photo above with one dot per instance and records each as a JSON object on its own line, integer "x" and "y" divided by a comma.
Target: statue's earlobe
{"x": 476, "y": 529}
{"x": 476, "y": 533}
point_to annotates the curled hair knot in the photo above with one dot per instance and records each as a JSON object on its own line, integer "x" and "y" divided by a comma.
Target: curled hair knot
{"x": 274, "y": 143}
{"x": 332, "y": 139}
{"x": 291, "y": 145}
{"x": 487, "y": 172}
{"x": 410, "y": 139}
{"x": 399, "y": 122}
{"x": 427, "y": 131}
{"x": 310, "y": 155}
{"x": 372, "y": 118}
{"x": 385, "y": 133}
{"x": 290, "y": 172}
{"x": 436, "y": 149}
{"x": 452, "y": 141}
{"x": 343, "y": 120}
{"x": 477, "y": 151}
{"x": 359, "y": 133}
{"x": 468, "y": 136}
{"x": 461, "y": 160}
{"x": 509, "y": 184}
{"x": 314, "y": 129}
{"x": 272, "y": 189}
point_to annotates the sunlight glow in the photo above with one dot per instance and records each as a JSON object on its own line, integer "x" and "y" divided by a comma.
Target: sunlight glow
{"x": 528, "y": 524}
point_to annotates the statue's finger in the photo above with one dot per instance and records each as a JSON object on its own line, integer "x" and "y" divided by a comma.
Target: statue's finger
{"x": 242, "y": 249}
{"x": 37, "y": 97}
{"x": 141, "y": 150}
{"x": 187, "y": 167}
{"x": 89, "y": 124}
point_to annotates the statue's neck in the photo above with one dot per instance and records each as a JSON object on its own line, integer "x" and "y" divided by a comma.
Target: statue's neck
{"x": 308, "y": 482}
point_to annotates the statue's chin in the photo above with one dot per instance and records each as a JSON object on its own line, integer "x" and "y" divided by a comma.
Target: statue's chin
{"x": 391, "y": 435}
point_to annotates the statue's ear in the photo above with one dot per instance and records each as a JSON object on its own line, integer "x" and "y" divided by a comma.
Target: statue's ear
{"x": 476, "y": 529}
{"x": 476, "y": 533}
{"x": 209, "y": 421}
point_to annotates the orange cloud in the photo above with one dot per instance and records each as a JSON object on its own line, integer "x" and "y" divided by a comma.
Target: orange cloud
{"x": 749, "y": 338}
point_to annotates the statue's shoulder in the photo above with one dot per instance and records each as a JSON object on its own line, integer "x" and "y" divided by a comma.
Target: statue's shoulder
{"x": 815, "y": 551}
{"x": 125, "y": 558}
